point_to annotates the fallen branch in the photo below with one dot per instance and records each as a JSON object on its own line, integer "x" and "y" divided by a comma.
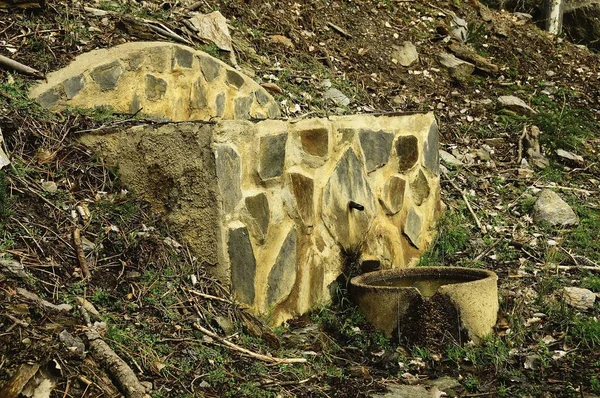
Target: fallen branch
{"x": 252, "y": 354}
{"x": 576, "y": 268}
{"x": 464, "y": 196}
{"x": 210, "y": 297}
{"x": 339, "y": 30}
{"x": 19, "y": 67}
{"x": 80, "y": 254}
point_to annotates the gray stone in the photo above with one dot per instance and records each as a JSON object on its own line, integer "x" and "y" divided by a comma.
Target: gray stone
{"x": 431, "y": 150}
{"x": 402, "y": 391}
{"x": 220, "y": 104}
{"x": 211, "y": 69}
{"x": 348, "y": 182}
{"x": 420, "y": 188}
{"x": 406, "y": 54}
{"x": 579, "y": 298}
{"x": 376, "y": 146}
{"x": 235, "y": 79}
{"x": 155, "y": 87}
{"x": 550, "y": 208}
{"x": 258, "y": 207}
{"x": 135, "y": 106}
{"x": 49, "y": 98}
{"x": 261, "y": 97}
{"x": 515, "y": 104}
{"x": 337, "y": 97}
{"x": 449, "y": 159}
{"x": 73, "y": 86}
{"x": 272, "y": 155}
{"x": 315, "y": 141}
{"x": 392, "y": 195}
{"x": 445, "y": 383}
{"x": 283, "y": 274}
{"x": 407, "y": 149}
{"x": 303, "y": 191}
{"x": 273, "y": 111}
{"x": 242, "y": 107}
{"x": 243, "y": 264}
{"x": 229, "y": 174}
{"x": 413, "y": 226}
{"x": 183, "y": 58}
{"x": 133, "y": 61}
{"x": 73, "y": 344}
{"x": 198, "y": 95}
{"x": 570, "y": 157}
{"x": 107, "y": 76}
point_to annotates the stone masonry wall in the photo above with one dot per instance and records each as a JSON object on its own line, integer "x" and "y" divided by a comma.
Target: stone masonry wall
{"x": 159, "y": 79}
{"x": 266, "y": 204}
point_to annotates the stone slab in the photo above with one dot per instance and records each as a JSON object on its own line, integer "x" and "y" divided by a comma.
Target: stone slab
{"x": 243, "y": 264}
{"x": 376, "y": 146}
{"x": 229, "y": 174}
{"x": 272, "y": 155}
{"x": 283, "y": 274}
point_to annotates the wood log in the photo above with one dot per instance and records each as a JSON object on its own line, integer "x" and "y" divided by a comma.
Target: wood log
{"x": 459, "y": 69}
{"x": 466, "y": 53}
{"x": 22, "y": 3}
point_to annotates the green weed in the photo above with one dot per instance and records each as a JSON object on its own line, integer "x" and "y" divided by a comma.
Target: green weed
{"x": 592, "y": 283}
{"x": 471, "y": 383}
{"x": 5, "y": 202}
{"x": 452, "y": 237}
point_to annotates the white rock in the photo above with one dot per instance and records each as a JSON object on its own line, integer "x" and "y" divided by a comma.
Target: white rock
{"x": 570, "y": 156}
{"x": 337, "y": 96}
{"x": 578, "y": 297}
{"x": 550, "y": 208}
{"x": 49, "y": 186}
{"x": 449, "y": 159}
{"x": 515, "y": 103}
{"x": 4, "y": 161}
{"x": 406, "y": 54}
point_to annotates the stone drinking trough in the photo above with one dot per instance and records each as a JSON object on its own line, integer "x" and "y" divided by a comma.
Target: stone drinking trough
{"x": 271, "y": 206}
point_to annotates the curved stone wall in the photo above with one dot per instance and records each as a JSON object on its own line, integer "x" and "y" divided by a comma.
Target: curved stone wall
{"x": 159, "y": 79}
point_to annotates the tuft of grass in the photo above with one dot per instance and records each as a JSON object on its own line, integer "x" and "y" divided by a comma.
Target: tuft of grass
{"x": 592, "y": 283}
{"x": 452, "y": 237}
{"x": 5, "y": 211}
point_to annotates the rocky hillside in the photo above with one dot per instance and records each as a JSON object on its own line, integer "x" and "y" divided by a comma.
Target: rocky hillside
{"x": 519, "y": 115}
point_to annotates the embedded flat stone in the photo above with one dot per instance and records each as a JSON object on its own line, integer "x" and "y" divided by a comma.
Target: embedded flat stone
{"x": 220, "y": 104}
{"x": 210, "y": 68}
{"x": 198, "y": 95}
{"x": 283, "y": 274}
{"x": 431, "y": 153}
{"x": 413, "y": 227}
{"x": 258, "y": 207}
{"x": 242, "y": 262}
{"x": 261, "y": 97}
{"x": 107, "y": 76}
{"x": 155, "y": 87}
{"x": 183, "y": 58}
{"x": 235, "y": 79}
{"x": 242, "y": 107}
{"x": 315, "y": 141}
{"x": 73, "y": 86}
{"x": 376, "y": 146}
{"x": 272, "y": 155}
{"x": 348, "y": 182}
{"x": 407, "y": 149}
{"x": 135, "y": 104}
{"x": 273, "y": 110}
{"x": 392, "y": 194}
{"x": 49, "y": 98}
{"x": 303, "y": 191}
{"x": 420, "y": 188}
{"x": 229, "y": 174}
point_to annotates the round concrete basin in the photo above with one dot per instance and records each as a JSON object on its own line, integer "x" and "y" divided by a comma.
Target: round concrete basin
{"x": 429, "y": 305}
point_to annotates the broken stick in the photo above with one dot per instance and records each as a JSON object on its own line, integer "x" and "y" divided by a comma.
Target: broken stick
{"x": 80, "y": 254}
{"x": 8, "y": 63}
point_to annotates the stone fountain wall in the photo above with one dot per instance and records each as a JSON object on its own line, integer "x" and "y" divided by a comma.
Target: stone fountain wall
{"x": 267, "y": 203}
{"x": 263, "y": 204}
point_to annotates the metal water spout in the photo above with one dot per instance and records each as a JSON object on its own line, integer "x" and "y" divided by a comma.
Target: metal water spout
{"x": 353, "y": 205}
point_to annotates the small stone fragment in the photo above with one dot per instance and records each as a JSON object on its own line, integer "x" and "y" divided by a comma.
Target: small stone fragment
{"x": 579, "y": 298}
{"x": 458, "y": 69}
{"x": 73, "y": 344}
{"x": 406, "y": 54}
{"x": 515, "y": 104}
{"x": 550, "y": 208}
{"x": 279, "y": 39}
{"x": 570, "y": 157}
{"x": 49, "y": 186}
{"x": 431, "y": 153}
{"x": 73, "y": 86}
{"x": 449, "y": 160}
{"x": 337, "y": 97}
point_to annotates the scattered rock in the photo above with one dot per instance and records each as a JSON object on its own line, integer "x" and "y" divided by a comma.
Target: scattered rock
{"x": 551, "y": 209}
{"x": 213, "y": 27}
{"x": 279, "y": 39}
{"x": 460, "y": 30}
{"x": 73, "y": 344}
{"x": 402, "y": 391}
{"x": 226, "y": 324}
{"x": 570, "y": 157}
{"x": 49, "y": 186}
{"x": 459, "y": 69}
{"x": 12, "y": 267}
{"x": 515, "y": 104}
{"x": 483, "y": 155}
{"x": 449, "y": 160}
{"x": 406, "y": 54}
{"x": 445, "y": 383}
{"x": 337, "y": 97}
{"x": 579, "y": 298}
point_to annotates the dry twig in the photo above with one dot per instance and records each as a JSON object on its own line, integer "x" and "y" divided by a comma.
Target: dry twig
{"x": 251, "y": 354}
{"x": 19, "y": 67}
{"x": 464, "y": 196}
{"x": 80, "y": 254}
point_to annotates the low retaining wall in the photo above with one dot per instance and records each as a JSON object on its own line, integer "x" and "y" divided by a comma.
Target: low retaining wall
{"x": 266, "y": 204}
